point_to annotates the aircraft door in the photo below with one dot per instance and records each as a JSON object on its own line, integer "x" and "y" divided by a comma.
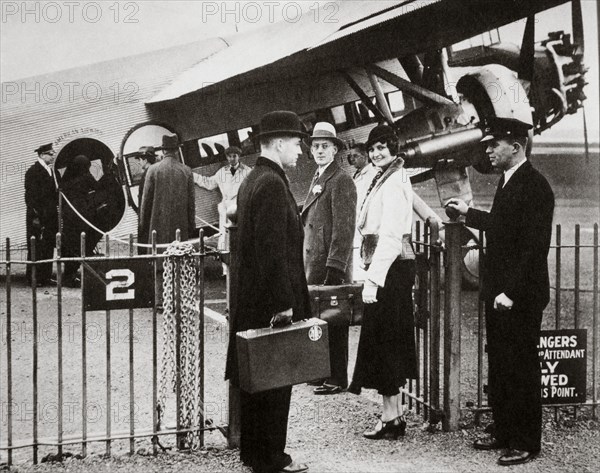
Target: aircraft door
{"x": 135, "y": 155}
{"x": 105, "y": 206}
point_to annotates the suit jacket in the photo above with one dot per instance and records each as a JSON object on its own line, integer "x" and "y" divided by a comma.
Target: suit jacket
{"x": 41, "y": 200}
{"x": 271, "y": 276}
{"x": 329, "y": 218}
{"x": 518, "y": 233}
{"x": 168, "y": 202}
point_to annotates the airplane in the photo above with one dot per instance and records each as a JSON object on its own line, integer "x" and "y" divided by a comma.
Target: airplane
{"x": 379, "y": 62}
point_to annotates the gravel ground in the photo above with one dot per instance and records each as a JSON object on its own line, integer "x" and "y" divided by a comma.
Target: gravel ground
{"x": 325, "y": 432}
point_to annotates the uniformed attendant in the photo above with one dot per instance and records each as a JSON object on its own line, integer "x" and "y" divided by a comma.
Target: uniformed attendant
{"x": 41, "y": 200}
{"x": 516, "y": 289}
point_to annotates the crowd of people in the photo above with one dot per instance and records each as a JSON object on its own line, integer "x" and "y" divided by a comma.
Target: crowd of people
{"x": 282, "y": 250}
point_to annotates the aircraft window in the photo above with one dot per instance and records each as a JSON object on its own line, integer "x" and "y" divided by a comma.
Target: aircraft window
{"x": 396, "y": 101}
{"x": 213, "y": 145}
{"x": 340, "y": 118}
{"x": 246, "y": 142}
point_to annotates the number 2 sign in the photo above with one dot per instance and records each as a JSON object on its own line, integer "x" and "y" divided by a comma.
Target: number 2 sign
{"x": 117, "y": 284}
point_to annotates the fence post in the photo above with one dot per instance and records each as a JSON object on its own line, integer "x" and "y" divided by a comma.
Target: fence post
{"x": 452, "y": 326}
{"x": 234, "y": 424}
{"x": 435, "y": 318}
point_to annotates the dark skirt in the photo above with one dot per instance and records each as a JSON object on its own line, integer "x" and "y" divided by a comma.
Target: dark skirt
{"x": 386, "y": 350}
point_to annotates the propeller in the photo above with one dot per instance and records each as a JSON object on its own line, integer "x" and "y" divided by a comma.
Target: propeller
{"x": 526, "y": 57}
{"x": 577, "y": 18}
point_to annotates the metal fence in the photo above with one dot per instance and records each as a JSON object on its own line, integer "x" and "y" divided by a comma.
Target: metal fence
{"x": 47, "y": 379}
{"x": 450, "y": 343}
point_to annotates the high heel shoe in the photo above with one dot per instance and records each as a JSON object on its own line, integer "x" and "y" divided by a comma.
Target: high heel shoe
{"x": 387, "y": 430}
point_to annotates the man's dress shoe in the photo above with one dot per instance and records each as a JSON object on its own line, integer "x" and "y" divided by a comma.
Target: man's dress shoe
{"x": 294, "y": 468}
{"x": 516, "y": 457}
{"x": 488, "y": 443}
{"x": 327, "y": 389}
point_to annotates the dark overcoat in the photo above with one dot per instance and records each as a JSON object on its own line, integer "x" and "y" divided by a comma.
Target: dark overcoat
{"x": 329, "y": 218}
{"x": 518, "y": 232}
{"x": 271, "y": 273}
{"x": 41, "y": 200}
{"x": 168, "y": 202}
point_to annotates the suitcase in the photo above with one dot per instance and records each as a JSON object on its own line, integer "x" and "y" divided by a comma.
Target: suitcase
{"x": 270, "y": 358}
{"x": 337, "y": 305}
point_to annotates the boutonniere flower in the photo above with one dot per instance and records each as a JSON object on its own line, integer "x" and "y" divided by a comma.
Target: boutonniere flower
{"x": 317, "y": 189}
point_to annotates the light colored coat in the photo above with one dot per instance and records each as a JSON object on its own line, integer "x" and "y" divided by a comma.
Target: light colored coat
{"x": 229, "y": 186}
{"x": 168, "y": 202}
{"x": 387, "y": 212}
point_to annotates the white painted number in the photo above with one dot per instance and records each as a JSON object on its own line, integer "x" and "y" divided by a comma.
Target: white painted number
{"x": 111, "y": 295}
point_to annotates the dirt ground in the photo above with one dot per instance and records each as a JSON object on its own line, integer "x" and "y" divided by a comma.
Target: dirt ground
{"x": 325, "y": 432}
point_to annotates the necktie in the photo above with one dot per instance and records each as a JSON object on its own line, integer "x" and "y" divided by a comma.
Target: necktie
{"x": 232, "y": 171}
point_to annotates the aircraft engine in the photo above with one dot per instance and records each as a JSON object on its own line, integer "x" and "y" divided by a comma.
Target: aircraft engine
{"x": 449, "y": 136}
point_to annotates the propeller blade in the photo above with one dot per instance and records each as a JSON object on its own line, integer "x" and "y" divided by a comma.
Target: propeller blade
{"x": 577, "y": 17}
{"x": 527, "y": 51}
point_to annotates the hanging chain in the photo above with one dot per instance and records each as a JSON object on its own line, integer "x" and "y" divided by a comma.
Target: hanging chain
{"x": 180, "y": 263}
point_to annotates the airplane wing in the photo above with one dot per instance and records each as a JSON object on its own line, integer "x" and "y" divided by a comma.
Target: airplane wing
{"x": 342, "y": 35}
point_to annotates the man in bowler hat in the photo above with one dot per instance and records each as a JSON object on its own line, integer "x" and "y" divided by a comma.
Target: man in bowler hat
{"x": 515, "y": 288}
{"x": 271, "y": 284}
{"x": 329, "y": 217}
{"x": 41, "y": 200}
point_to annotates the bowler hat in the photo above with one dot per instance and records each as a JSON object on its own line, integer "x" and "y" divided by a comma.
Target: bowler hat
{"x": 170, "y": 141}
{"x": 498, "y": 127}
{"x": 280, "y": 122}
{"x": 326, "y": 131}
{"x": 44, "y": 148}
{"x": 380, "y": 133}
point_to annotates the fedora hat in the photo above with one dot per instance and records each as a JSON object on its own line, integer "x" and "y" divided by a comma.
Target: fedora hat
{"x": 380, "y": 133}
{"x": 147, "y": 151}
{"x": 280, "y": 122}
{"x": 170, "y": 141}
{"x": 326, "y": 131}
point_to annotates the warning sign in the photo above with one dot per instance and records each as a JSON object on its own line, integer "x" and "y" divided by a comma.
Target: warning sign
{"x": 563, "y": 358}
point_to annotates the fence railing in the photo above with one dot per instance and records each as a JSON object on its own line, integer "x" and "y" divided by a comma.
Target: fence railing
{"x": 54, "y": 375}
{"x": 79, "y": 379}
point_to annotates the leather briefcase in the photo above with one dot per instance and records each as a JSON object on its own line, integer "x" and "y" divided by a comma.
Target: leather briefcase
{"x": 337, "y": 305}
{"x": 270, "y": 358}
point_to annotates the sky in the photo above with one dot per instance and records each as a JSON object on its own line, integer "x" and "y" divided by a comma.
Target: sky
{"x": 46, "y": 36}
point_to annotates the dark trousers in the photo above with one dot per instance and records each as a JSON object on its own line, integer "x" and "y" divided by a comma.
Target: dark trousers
{"x": 338, "y": 355}
{"x": 264, "y": 420}
{"x": 44, "y": 249}
{"x": 514, "y": 375}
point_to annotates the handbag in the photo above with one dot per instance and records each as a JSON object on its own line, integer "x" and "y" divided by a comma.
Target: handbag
{"x": 337, "y": 305}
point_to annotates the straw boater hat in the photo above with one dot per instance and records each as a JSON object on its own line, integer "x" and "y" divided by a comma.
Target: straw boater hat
{"x": 326, "y": 131}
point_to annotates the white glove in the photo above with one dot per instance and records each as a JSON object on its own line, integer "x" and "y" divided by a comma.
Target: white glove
{"x": 369, "y": 293}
